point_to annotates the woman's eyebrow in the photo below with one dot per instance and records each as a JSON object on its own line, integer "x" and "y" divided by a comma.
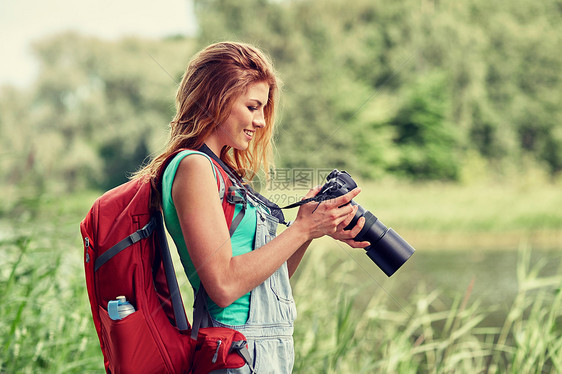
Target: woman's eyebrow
{"x": 257, "y": 101}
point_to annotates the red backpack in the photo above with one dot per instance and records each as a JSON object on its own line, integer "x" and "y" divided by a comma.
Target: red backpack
{"x": 126, "y": 253}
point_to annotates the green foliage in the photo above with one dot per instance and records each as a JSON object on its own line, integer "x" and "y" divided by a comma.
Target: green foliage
{"x": 424, "y": 134}
{"x": 488, "y": 70}
{"x": 96, "y": 112}
{"x": 45, "y": 323}
{"x": 415, "y": 89}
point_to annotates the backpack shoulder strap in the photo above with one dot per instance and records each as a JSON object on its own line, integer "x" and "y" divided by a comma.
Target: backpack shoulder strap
{"x": 182, "y": 153}
{"x": 175, "y": 295}
{"x": 177, "y": 303}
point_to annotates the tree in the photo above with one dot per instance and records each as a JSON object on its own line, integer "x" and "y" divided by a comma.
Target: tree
{"x": 100, "y": 108}
{"x": 426, "y": 138}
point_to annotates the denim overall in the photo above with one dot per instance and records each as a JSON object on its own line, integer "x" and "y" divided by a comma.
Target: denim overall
{"x": 269, "y": 328}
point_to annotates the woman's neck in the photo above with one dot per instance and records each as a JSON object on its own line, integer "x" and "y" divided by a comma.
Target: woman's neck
{"x": 214, "y": 145}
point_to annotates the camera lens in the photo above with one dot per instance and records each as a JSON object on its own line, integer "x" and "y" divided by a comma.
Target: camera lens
{"x": 388, "y": 250}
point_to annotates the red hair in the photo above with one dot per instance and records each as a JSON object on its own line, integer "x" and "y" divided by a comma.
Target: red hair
{"x": 214, "y": 79}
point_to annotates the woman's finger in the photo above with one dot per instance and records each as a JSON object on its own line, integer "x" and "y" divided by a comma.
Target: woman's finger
{"x": 358, "y": 227}
{"x": 312, "y": 192}
{"x": 352, "y": 243}
{"x": 350, "y": 217}
{"x": 344, "y": 199}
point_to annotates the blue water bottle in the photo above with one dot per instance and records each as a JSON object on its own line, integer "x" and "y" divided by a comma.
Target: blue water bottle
{"x": 119, "y": 308}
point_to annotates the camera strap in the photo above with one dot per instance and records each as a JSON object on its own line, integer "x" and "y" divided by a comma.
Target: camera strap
{"x": 249, "y": 191}
{"x": 321, "y": 196}
{"x": 275, "y": 209}
{"x": 302, "y": 202}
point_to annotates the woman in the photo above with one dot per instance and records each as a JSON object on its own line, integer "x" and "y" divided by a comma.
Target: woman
{"x": 225, "y": 108}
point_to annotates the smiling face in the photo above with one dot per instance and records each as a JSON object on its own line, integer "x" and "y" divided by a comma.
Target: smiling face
{"x": 245, "y": 119}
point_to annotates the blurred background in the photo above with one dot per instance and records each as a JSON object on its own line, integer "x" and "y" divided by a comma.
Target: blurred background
{"x": 447, "y": 113}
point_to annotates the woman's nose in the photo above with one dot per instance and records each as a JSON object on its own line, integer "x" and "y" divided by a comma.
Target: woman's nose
{"x": 259, "y": 120}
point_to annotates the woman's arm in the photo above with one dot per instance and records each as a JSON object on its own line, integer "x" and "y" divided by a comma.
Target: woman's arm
{"x": 294, "y": 261}
{"x": 206, "y": 236}
{"x": 345, "y": 236}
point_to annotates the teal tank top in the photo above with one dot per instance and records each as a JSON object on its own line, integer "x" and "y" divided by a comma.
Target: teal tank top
{"x": 242, "y": 242}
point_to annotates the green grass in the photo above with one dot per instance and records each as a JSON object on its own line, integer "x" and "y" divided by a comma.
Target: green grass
{"x": 421, "y": 333}
{"x": 445, "y": 216}
{"x": 352, "y": 319}
{"x": 450, "y": 207}
{"x": 45, "y": 320}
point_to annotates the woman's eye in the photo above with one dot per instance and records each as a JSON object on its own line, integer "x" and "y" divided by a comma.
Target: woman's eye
{"x": 253, "y": 108}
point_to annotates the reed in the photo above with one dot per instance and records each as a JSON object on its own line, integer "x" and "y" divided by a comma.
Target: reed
{"x": 45, "y": 320}
{"x": 347, "y": 323}
{"x": 424, "y": 335}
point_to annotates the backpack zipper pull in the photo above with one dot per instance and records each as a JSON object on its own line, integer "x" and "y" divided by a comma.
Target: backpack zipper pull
{"x": 86, "y": 246}
{"x": 219, "y": 342}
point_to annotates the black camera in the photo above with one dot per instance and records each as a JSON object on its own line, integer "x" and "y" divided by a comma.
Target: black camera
{"x": 388, "y": 250}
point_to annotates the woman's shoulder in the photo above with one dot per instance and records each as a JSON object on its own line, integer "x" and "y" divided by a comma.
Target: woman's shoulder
{"x": 195, "y": 164}
{"x": 195, "y": 176}
{"x": 187, "y": 162}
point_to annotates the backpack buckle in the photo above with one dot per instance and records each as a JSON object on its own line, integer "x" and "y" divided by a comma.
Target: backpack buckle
{"x": 233, "y": 198}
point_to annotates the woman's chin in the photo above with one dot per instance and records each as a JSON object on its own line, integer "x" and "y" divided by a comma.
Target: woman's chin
{"x": 242, "y": 146}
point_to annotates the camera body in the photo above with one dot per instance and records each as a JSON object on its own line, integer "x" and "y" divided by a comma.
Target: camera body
{"x": 387, "y": 250}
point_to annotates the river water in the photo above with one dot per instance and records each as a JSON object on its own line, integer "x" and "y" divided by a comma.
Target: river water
{"x": 491, "y": 276}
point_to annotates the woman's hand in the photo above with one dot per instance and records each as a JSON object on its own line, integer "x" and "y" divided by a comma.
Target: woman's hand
{"x": 347, "y": 236}
{"x": 327, "y": 217}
